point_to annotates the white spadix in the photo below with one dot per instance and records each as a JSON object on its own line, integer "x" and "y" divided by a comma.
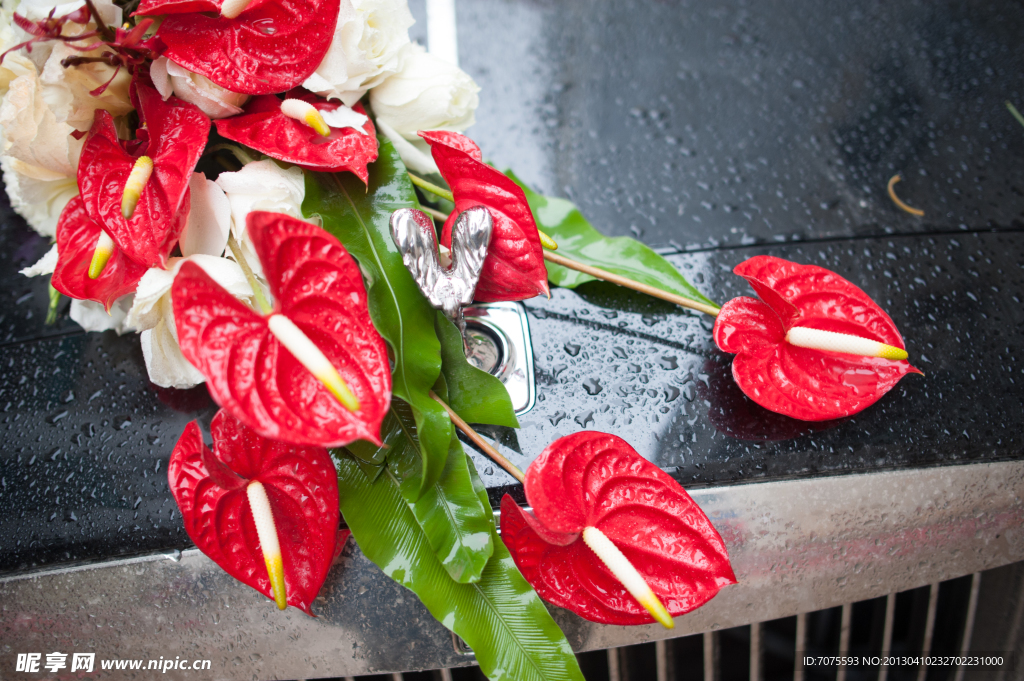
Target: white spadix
{"x": 311, "y": 357}
{"x": 133, "y": 186}
{"x": 232, "y": 8}
{"x": 259, "y": 504}
{"x": 100, "y": 256}
{"x": 817, "y": 339}
{"x": 307, "y": 113}
{"x": 624, "y": 571}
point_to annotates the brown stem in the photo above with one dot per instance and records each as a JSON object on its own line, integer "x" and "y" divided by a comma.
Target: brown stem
{"x": 479, "y": 441}
{"x": 629, "y": 283}
{"x": 105, "y": 31}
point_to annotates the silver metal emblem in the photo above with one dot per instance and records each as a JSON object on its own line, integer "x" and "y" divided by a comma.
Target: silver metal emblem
{"x": 451, "y": 288}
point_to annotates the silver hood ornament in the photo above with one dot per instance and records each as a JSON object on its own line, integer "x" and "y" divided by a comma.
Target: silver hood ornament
{"x": 447, "y": 288}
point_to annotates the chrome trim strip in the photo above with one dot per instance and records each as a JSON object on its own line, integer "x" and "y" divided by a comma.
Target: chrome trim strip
{"x": 796, "y": 546}
{"x": 614, "y": 671}
{"x": 662, "y": 661}
{"x": 756, "y": 652}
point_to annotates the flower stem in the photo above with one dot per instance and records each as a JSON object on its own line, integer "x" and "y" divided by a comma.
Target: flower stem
{"x": 479, "y": 441}
{"x": 257, "y": 290}
{"x": 51, "y": 311}
{"x": 432, "y": 188}
{"x": 235, "y": 150}
{"x": 629, "y": 283}
{"x": 105, "y": 31}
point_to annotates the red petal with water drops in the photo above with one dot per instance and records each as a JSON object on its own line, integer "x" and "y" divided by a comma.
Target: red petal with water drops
{"x": 270, "y": 47}
{"x": 807, "y": 384}
{"x": 597, "y": 480}
{"x": 318, "y": 286}
{"x": 264, "y": 128}
{"x": 514, "y": 268}
{"x": 301, "y": 485}
{"x": 173, "y": 134}
{"x": 77, "y": 235}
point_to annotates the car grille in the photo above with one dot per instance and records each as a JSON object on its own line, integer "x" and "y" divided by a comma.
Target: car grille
{"x": 975, "y": 613}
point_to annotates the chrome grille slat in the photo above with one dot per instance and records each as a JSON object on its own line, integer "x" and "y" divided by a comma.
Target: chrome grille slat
{"x": 929, "y": 628}
{"x": 613, "y": 665}
{"x": 711, "y": 656}
{"x": 972, "y": 609}
{"x": 800, "y": 647}
{"x": 756, "y": 652}
{"x": 663, "y": 661}
{"x": 890, "y": 615}
{"x": 845, "y": 620}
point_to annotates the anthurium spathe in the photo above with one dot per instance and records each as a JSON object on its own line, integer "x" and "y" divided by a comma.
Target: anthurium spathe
{"x": 514, "y": 268}
{"x": 77, "y": 235}
{"x": 814, "y": 346}
{"x": 311, "y": 371}
{"x": 264, "y": 511}
{"x": 169, "y": 141}
{"x": 612, "y": 537}
{"x": 257, "y": 47}
{"x": 306, "y": 130}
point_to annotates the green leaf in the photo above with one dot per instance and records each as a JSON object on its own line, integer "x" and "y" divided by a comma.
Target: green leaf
{"x": 456, "y": 525}
{"x": 500, "y": 617}
{"x": 473, "y": 394}
{"x": 358, "y": 216}
{"x": 624, "y": 256}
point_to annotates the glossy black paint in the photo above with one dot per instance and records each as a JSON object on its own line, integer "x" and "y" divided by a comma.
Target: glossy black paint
{"x": 729, "y": 129}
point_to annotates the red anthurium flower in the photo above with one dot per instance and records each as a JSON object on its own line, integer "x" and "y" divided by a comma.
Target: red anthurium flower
{"x": 514, "y": 268}
{"x": 313, "y": 371}
{"x": 594, "y": 497}
{"x": 257, "y": 47}
{"x": 145, "y": 178}
{"x": 77, "y": 235}
{"x": 814, "y": 346}
{"x": 327, "y": 142}
{"x": 265, "y": 511}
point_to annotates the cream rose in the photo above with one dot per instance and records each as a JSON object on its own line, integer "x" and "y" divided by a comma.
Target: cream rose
{"x": 365, "y": 50}
{"x": 170, "y": 78}
{"x": 153, "y": 314}
{"x": 427, "y": 93}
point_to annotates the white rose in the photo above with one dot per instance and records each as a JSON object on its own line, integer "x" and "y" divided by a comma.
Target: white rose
{"x": 33, "y": 132}
{"x": 261, "y": 185}
{"x": 7, "y": 41}
{"x": 153, "y": 314}
{"x": 36, "y": 195}
{"x": 365, "y": 49}
{"x": 68, "y": 89}
{"x": 427, "y": 93}
{"x": 92, "y": 316}
{"x": 37, "y": 10}
{"x": 213, "y": 100}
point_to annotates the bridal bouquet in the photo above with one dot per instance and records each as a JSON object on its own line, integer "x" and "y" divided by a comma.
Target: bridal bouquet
{"x": 239, "y": 181}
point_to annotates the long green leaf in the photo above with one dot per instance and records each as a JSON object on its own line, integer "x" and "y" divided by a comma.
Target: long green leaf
{"x": 474, "y": 395}
{"x": 500, "y": 617}
{"x": 358, "y": 215}
{"x": 624, "y": 256}
{"x": 455, "y": 522}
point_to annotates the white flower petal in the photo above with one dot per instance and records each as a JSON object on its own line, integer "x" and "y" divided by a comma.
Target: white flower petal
{"x": 153, "y": 294}
{"x": 345, "y": 117}
{"x": 161, "y": 79}
{"x": 212, "y": 99}
{"x": 38, "y": 200}
{"x": 414, "y": 159}
{"x": 45, "y": 264}
{"x": 166, "y": 365}
{"x": 209, "y": 219}
{"x": 92, "y": 317}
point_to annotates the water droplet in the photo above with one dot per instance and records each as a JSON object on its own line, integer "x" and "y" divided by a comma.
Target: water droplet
{"x": 593, "y": 386}
{"x": 572, "y": 349}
